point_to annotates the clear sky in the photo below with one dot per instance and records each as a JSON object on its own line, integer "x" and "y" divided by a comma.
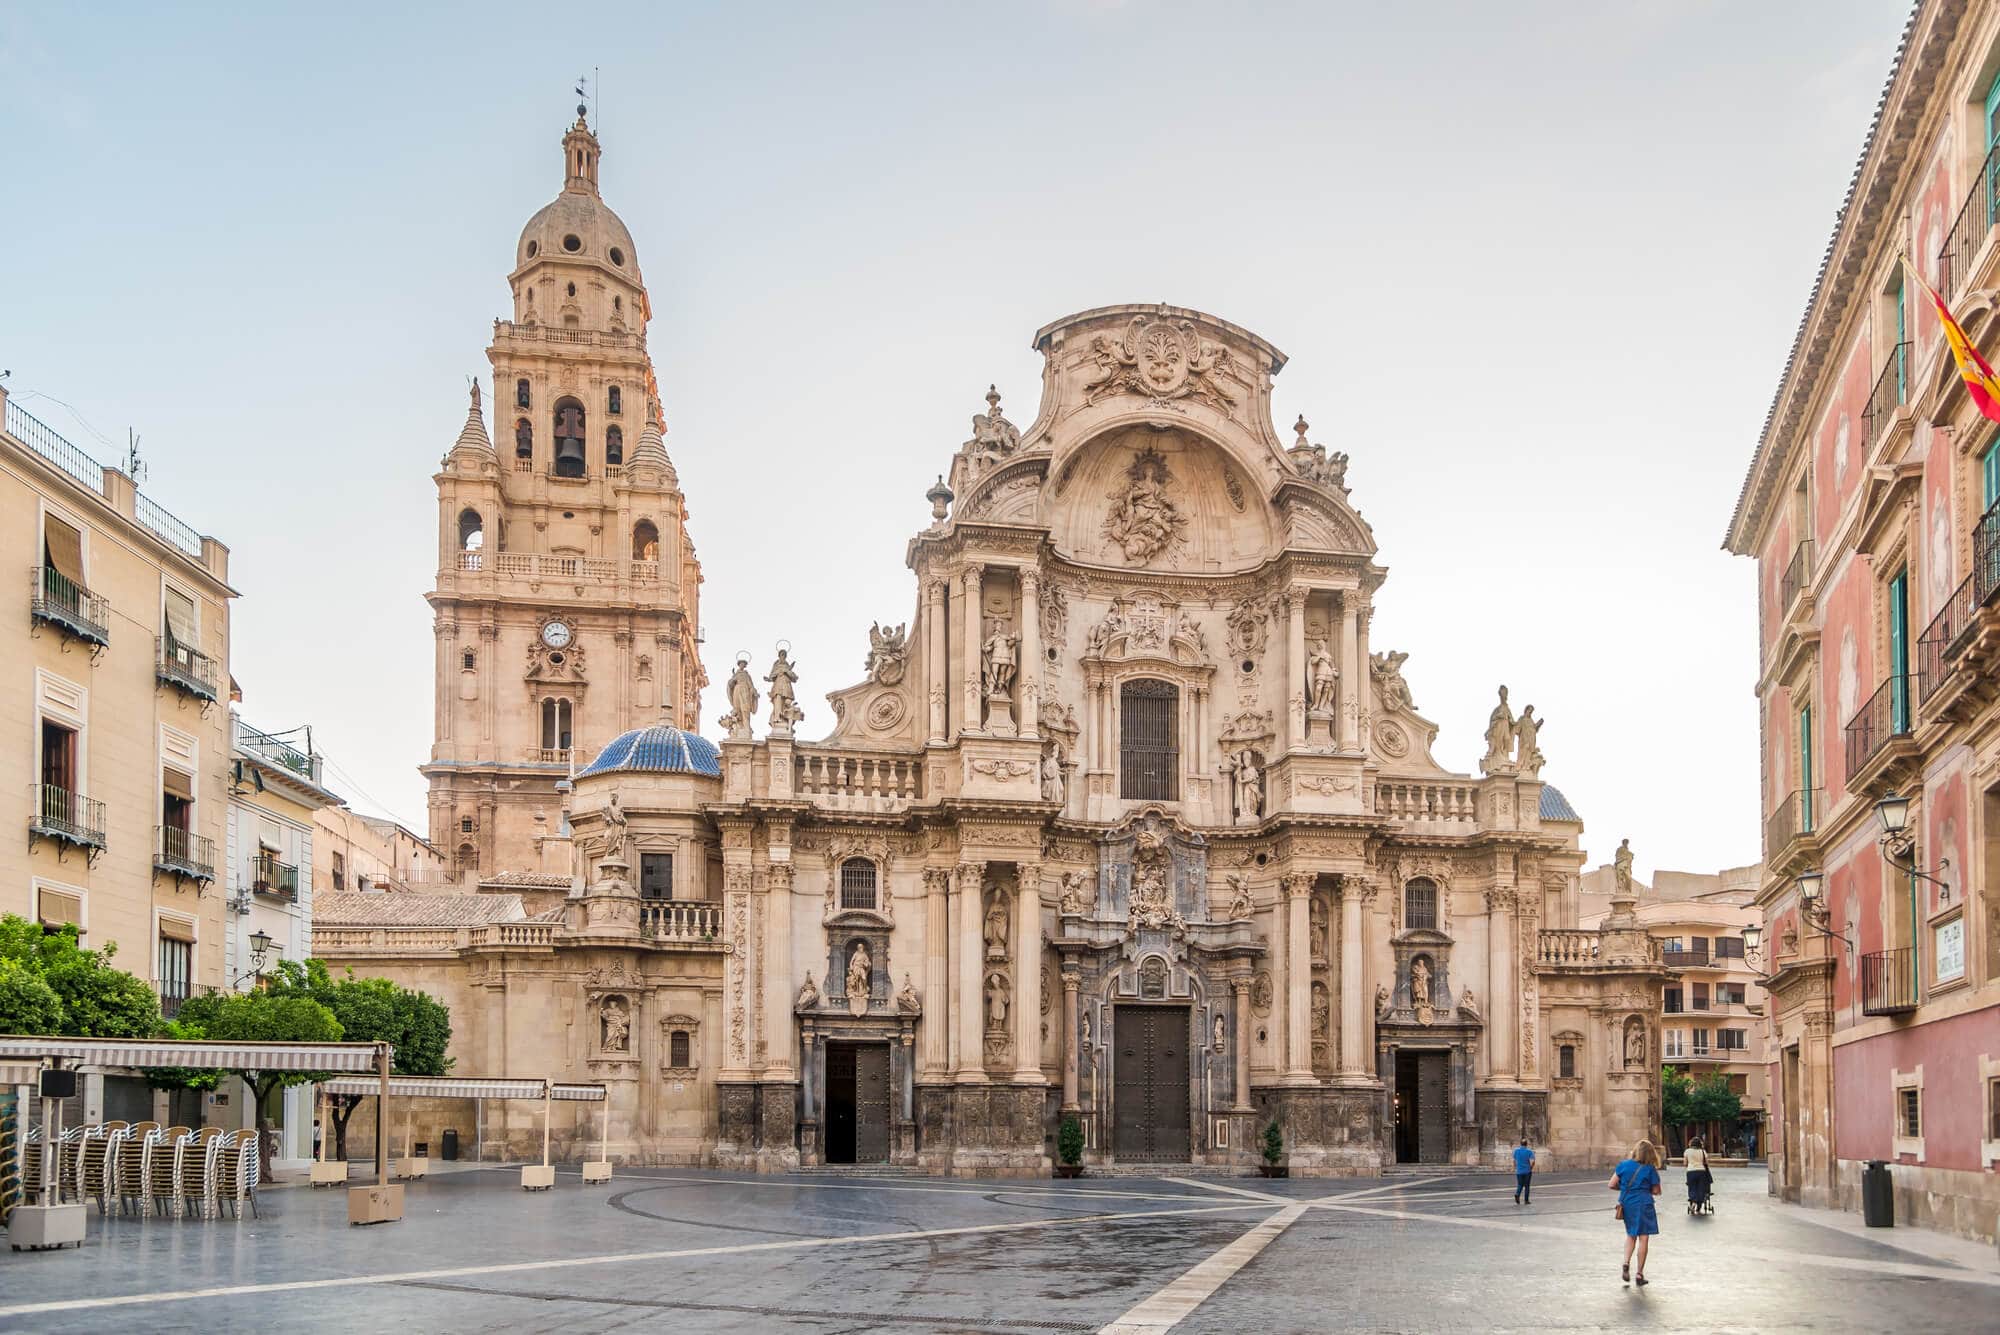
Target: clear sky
{"x": 1537, "y": 267}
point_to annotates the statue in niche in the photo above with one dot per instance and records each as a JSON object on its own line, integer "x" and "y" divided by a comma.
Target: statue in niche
{"x": 1083, "y": 1042}
{"x": 616, "y": 1019}
{"x": 1262, "y": 995}
{"x": 1467, "y": 1006}
{"x": 998, "y": 658}
{"x": 1322, "y": 1014}
{"x": 1076, "y": 896}
{"x": 1249, "y": 803}
{"x": 1635, "y": 1044}
{"x": 742, "y": 692}
{"x": 1322, "y": 926}
{"x": 1322, "y": 677}
{"x": 1239, "y": 898}
{"x": 1218, "y": 1031}
{"x": 1527, "y": 733}
{"x": 1621, "y": 870}
{"x": 784, "y": 676}
{"x": 888, "y": 654}
{"x": 1499, "y": 736}
{"x": 614, "y": 834}
{"x": 993, "y": 436}
{"x": 1052, "y": 774}
{"x": 1388, "y": 671}
{"x": 907, "y": 1000}
{"x": 1142, "y": 521}
{"x": 996, "y": 928}
{"x": 858, "y": 969}
{"x": 1381, "y": 1000}
{"x": 996, "y": 1002}
{"x": 1420, "y": 988}
{"x": 808, "y": 997}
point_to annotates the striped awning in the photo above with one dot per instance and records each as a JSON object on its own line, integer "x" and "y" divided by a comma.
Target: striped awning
{"x": 202, "y": 1054}
{"x": 456, "y": 1087}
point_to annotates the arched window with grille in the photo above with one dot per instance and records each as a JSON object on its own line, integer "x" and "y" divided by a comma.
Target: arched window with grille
{"x": 614, "y": 445}
{"x": 1420, "y": 904}
{"x": 569, "y": 428}
{"x": 857, "y": 884}
{"x": 523, "y": 395}
{"x": 679, "y": 1050}
{"x": 615, "y": 403}
{"x": 1149, "y": 740}
{"x": 645, "y": 541}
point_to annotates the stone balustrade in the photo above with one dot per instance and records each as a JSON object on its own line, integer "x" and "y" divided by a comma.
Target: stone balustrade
{"x": 513, "y": 934}
{"x": 388, "y": 940}
{"x": 681, "y": 920}
{"x": 1560, "y": 946}
{"x": 542, "y": 565}
{"x": 1448, "y": 806}
{"x": 858, "y": 781}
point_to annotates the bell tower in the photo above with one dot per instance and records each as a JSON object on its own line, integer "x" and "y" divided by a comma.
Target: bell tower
{"x": 566, "y": 593}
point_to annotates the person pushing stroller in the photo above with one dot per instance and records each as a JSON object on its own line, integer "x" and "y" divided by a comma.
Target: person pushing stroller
{"x": 1700, "y": 1182}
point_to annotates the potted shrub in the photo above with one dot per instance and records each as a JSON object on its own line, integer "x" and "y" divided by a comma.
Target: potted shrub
{"x": 1274, "y": 1150}
{"x": 1069, "y": 1148}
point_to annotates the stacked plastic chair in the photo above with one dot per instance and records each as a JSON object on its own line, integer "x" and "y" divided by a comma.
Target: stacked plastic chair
{"x": 197, "y": 1173}
{"x": 93, "y": 1165}
{"x": 127, "y": 1170}
{"x": 163, "y": 1170}
{"x": 31, "y": 1166}
{"x": 69, "y": 1159}
{"x": 238, "y": 1166}
{"x": 10, "y": 1154}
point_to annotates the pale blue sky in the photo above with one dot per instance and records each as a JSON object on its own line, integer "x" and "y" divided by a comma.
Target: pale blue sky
{"x": 1537, "y": 267}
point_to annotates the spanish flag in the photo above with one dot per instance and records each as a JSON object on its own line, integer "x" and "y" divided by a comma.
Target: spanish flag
{"x": 1980, "y": 382}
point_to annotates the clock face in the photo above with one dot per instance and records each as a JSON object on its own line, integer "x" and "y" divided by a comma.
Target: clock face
{"x": 556, "y": 634}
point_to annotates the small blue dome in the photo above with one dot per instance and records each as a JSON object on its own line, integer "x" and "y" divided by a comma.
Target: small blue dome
{"x": 660, "y": 749}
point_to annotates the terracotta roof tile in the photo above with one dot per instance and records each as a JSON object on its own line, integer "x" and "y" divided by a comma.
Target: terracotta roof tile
{"x": 410, "y": 909}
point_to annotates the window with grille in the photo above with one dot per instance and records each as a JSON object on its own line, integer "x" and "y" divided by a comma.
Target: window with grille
{"x": 1566, "y": 1060}
{"x": 656, "y": 876}
{"x": 857, "y": 884}
{"x": 176, "y": 972}
{"x": 1148, "y": 740}
{"x": 679, "y": 1049}
{"x": 1701, "y": 996}
{"x": 1420, "y": 904}
{"x": 1909, "y": 1112}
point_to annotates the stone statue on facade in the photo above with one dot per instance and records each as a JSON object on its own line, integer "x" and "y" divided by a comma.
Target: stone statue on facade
{"x": 784, "y": 676}
{"x": 1218, "y": 1031}
{"x": 888, "y": 654}
{"x": 1499, "y": 737}
{"x": 808, "y": 997}
{"x": 1388, "y": 670}
{"x": 993, "y": 436}
{"x": 907, "y": 1000}
{"x": 1083, "y": 1040}
{"x": 1240, "y": 907}
{"x": 1621, "y": 871}
{"x": 1322, "y": 678}
{"x": 1420, "y": 989}
{"x": 1527, "y": 733}
{"x": 1142, "y": 521}
{"x": 858, "y": 968}
{"x": 995, "y": 930}
{"x": 1381, "y": 1000}
{"x": 1249, "y": 779}
{"x": 1052, "y": 775}
{"x": 614, "y": 835}
{"x": 1468, "y": 1006}
{"x": 1635, "y": 1044}
{"x": 1321, "y": 918}
{"x": 1076, "y": 895}
{"x": 998, "y": 659}
{"x": 617, "y": 1022}
{"x": 996, "y": 1002}
{"x": 742, "y": 692}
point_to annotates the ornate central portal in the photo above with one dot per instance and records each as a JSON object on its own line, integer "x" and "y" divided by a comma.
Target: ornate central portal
{"x": 1149, "y": 1082}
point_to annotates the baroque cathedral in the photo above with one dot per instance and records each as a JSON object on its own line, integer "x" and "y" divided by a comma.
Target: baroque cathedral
{"x": 1128, "y": 821}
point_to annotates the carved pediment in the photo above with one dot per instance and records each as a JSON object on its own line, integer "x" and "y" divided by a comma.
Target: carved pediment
{"x": 1144, "y": 625}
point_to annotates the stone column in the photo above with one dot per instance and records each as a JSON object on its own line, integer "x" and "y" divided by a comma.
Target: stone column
{"x": 1295, "y": 666}
{"x": 489, "y": 645}
{"x": 974, "y": 719}
{"x": 1029, "y": 678}
{"x": 1298, "y": 979}
{"x": 777, "y": 971}
{"x": 1027, "y": 948}
{"x": 735, "y": 993}
{"x": 969, "y": 1004}
{"x": 1363, "y": 682}
{"x": 1352, "y": 1001}
{"x": 1071, "y": 982}
{"x": 937, "y": 960}
{"x": 1348, "y": 725}
{"x": 935, "y": 656}
{"x": 1240, "y": 990}
{"x": 943, "y": 1008}
{"x": 1499, "y": 999}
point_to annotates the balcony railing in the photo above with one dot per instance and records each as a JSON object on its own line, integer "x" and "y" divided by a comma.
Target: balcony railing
{"x": 1891, "y": 389}
{"x": 278, "y": 752}
{"x": 1798, "y": 575}
{"x": 1796, "y": 817}
{"x": 1687, "y": 957}
{"x": 186, "y": 670}
{"x": 1968, "y": 233}
{"x": 1673, "y": 1008}
{"x": 681, "y": 920}
{"x": 59, "y": 600}
{"x": 1937, "y": 646}
{"x": 1884, "y": 718}
{"x": 858, "y": 781}
{"x": 58, "y": 813}
{"x": 1447, "y": 805}
{"x": 183, "y": 853}
{"x": 1561, "y": 945}
{"x": 1986, "y": 556}
{"x": 1889, "y": 982}
{"x": 278, "y": 880}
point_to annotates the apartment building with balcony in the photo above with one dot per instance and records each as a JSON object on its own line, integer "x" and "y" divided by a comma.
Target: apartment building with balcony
{"x": 1713, "y": 1007}
{"x": 354, "y": 852}
{"x": 111, "y": 673}
{"x": 1872, "y": 509}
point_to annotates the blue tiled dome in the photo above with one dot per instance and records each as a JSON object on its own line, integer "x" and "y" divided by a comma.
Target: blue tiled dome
{"x": 660, "y": 749}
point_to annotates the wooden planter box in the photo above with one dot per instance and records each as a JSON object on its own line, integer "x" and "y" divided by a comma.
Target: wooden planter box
{"x": 1274, "y": 1170}
{"x": 1069, "y": 1170}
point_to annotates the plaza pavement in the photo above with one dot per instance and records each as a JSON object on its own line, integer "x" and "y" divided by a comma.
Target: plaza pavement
{"x": 668, "y": 1249}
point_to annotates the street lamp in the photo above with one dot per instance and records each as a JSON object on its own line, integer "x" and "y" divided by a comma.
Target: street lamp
{"x": 1894, "y": 813}
{"x": 1753, "y": 937}
{"x": 1899, "y": 843}
{"x": 1812, "y": 906}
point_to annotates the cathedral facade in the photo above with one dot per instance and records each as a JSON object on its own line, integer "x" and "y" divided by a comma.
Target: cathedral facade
{"x": 1128, "y": 821}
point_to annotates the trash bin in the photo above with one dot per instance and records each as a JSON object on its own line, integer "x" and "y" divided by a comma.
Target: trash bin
{"x": 450, "y": 1143}
{"x": 1878, "y": 1195}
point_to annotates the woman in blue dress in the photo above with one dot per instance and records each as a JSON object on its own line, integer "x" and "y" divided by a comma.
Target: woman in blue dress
{"x": 1637, "y": 1181}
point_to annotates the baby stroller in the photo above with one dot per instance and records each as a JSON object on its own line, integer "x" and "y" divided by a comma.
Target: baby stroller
{"x": 1701, "y": 1191}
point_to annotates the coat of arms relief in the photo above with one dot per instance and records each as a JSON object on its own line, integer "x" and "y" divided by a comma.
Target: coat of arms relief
{"x": 1160, "y": 359}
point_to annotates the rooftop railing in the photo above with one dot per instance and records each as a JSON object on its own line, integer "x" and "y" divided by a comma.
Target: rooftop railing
{"x": 281, "y": 753}
{"x": 51, "y": 447}
{"x": 60, "y": 601}
{"x": 1968, "y": 232}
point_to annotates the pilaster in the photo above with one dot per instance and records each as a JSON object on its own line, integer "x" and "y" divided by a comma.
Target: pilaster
{"x": 1027, "y": 947}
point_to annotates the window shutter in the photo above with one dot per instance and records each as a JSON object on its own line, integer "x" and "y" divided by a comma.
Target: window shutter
{"x": 180, "y": 619}
{"x": 64, "y": 546}
{"x": 177, "y": 929}
{"x": 57, "y": 907}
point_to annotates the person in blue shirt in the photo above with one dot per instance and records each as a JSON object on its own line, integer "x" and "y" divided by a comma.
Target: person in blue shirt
{"x": 1524, "y": 1173}
{"x": 1637, "y": 1181}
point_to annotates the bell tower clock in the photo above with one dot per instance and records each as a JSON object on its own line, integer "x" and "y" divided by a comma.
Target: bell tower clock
{"x": 565, "y": 602}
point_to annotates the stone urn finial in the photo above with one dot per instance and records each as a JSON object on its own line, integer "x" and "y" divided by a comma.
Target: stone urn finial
{"x": 1302, "y": 426}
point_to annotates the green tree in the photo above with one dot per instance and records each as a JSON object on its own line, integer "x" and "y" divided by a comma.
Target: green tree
{"x": 1687, "y": 1104}
{"x": 28, "y": 1005}
{"x": 1069, "y": 1140}
{"x": 1274, "y": 1144}
{"x": 94, "y": 999}
{"x": 259, "y": 1017}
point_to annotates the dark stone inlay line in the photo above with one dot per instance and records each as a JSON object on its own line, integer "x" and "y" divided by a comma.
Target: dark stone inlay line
{"x": 931, "y": 1320}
